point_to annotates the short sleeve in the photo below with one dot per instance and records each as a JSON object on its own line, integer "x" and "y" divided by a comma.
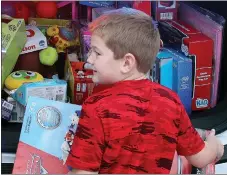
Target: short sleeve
{"x": 88, "y": 145}
{"x": 189, "y": 141}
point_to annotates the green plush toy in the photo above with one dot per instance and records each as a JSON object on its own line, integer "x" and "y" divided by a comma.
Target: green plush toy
{"x": 48, "y": 56}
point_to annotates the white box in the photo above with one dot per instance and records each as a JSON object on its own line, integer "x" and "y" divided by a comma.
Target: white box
{"x": 35, "y": 40}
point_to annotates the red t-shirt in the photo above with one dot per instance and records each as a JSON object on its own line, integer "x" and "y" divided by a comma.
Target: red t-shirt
{"x": 134, "y": 127}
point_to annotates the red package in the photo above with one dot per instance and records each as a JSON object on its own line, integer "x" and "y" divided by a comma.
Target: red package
{"x": 199, "y": 48}
{"x": 144, "y": 6}
{"x": 164, "y": 10}
{"x": 81, "y": 82}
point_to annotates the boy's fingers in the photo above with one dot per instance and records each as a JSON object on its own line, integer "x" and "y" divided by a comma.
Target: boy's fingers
{"x": 212, "y": 132}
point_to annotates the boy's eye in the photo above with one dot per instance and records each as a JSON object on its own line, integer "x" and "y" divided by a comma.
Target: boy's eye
{"x": 97, "y": 53}
{"x": 94, "y": 52}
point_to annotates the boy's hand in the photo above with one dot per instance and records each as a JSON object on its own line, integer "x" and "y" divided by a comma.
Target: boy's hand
{"x": 220, "y": 147}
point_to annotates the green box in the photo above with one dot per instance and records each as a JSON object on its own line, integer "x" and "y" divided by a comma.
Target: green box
{"x": 13, "y": 40}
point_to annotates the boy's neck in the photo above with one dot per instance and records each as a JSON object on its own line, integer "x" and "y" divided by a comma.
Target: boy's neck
{"x": 139, "y": 76}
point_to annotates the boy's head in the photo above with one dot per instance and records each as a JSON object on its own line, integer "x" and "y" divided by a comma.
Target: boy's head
{"x": 124, "y": 45}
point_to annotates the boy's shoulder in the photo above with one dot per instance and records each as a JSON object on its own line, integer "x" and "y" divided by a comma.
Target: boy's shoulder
{"x": 143, "y": 92}
{"x": 165, "y": 93}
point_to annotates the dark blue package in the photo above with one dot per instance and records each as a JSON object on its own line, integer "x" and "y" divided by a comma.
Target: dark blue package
{"x": 173, "y": 70}
{"x": 95, "y": 4}
{"x": 121, "y": 4}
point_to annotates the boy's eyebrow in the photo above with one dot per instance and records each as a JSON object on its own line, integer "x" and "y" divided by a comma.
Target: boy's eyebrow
{"x": 94, "y": 47}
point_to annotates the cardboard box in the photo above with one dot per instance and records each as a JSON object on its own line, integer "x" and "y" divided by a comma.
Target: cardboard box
{"x": 212, "y": 25}
{"x": 182, "y": 79}
{"x": 72, "y": 26}
{"x": 174, "y": 70}
{"x": 13, "y": 41}
{"x": 164, "y": 10}
{"x": 30, "y": 61}
{"x": 80, "y": 84}
{"x": 44, "y": 22}
{"x": 164, "y": 64}
{"x": 35, "y": 40}
{"x": 199, "y": 47}
{"x": 51, "y": 89}
{"x": 46, "y": 137}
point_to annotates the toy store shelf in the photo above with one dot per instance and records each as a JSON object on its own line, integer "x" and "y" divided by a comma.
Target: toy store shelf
{"x": 10, "y": 137}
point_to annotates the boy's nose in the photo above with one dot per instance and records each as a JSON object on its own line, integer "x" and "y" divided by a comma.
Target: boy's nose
{"x": 90, "y": 60}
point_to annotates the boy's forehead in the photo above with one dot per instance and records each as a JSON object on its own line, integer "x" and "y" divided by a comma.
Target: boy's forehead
{"x": 97, "y": 41}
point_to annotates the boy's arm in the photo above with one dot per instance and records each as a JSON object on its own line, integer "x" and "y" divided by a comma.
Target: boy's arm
{"x": 88, "y": 145}
{"x": 205, "y": 156}
{"x": 191, "y": 145}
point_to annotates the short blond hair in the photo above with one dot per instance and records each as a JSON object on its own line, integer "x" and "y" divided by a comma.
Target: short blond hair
{"x": 129, "y": 31}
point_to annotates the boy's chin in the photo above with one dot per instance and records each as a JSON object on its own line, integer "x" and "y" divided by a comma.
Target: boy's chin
{"x": 100, "y": 81}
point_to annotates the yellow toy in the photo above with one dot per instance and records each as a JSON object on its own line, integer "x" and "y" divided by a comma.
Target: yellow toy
{"x": 16, "y": 79}
{"x": 60, "y": 37}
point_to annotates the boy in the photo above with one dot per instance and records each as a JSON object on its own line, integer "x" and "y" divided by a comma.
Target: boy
{"x": 135, "y": 126}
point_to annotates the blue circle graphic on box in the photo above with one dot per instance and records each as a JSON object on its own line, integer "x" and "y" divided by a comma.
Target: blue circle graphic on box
{"x": 42, "y": 43}
{"x": 49, "y": 117}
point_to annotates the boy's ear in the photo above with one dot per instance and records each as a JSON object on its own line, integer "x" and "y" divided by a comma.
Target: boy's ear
{"x": 128, "y": 63}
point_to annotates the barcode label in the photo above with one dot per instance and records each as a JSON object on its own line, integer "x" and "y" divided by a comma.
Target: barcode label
{"x": 166, "y": 16}
{"x": 59, "y": 97}
{"x": 7, "y": 105}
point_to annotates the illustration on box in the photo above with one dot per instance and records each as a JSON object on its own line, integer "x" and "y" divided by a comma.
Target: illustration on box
{"x": 45, "y": 119}
{"x": 35, "y": 40}
{"x": 69, "y": 137}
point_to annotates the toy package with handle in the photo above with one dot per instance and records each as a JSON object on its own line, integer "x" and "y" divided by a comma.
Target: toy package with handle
{"x": 212, "y": 25}
{"x": 46, "y": 137}
{"x": 192, "y": 43}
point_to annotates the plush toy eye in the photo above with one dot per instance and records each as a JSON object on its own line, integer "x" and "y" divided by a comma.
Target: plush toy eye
{"x": 16, "y": 75}
{"x": 31, "y": 74}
